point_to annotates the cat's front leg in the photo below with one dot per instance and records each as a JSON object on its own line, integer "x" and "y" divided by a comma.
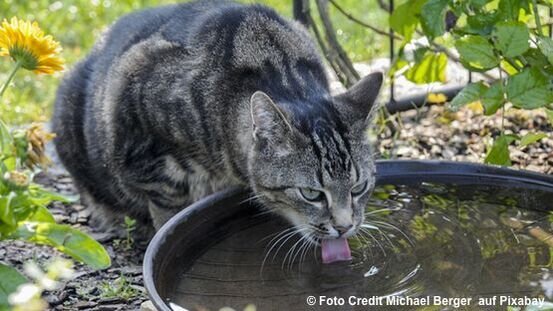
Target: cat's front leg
{"x": 160, "y": 215}
{"x": 161, "y": 183}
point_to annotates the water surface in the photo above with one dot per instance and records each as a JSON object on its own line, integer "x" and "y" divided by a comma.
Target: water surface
{"x": 468, "y": 241}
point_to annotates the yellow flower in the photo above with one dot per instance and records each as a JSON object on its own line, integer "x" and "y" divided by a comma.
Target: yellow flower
{"x": 26, "y": 43}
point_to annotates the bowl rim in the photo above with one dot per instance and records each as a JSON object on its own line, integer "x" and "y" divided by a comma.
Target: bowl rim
{"x": 160, "y": 237}
{"x": 387, "y": 171}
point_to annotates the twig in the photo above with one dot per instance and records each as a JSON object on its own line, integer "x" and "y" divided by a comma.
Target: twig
{"x": 300, "y": 9}
{"x": 383, "y": 5}
{"x": 537, "y": 17}
{"x": 306, "y": 11}
{"x": 453, "y": 57}
{"x": 335, "y": 49}
{"x": 362, "y": 23}
{"x": 502, "y": 83}
{"x": 536, "y": 231}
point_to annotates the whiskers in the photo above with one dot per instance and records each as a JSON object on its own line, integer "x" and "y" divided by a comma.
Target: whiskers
{"x": 264, "y": 210}
{"x": 306, "y": 242}
{"x": 253, "y": 198}
{"x": 377, "y": 231}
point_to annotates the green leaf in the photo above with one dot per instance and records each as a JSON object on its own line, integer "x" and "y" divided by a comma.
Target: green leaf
{"x": 499, "y": 153}
{"x": 471, "y": 93}
{"x": 480, "y": 23}
{"x": 21, "y": 205}
{"x": 9, "y": 164}
{"x": 546, "y": 47}
{"x": 41, "y": 196}
{"x": 41, "y": 214}
{"x": 477, "y": 3}
{"x": 8, "y": 221}
{"x": 10, "y": 279}
{"x": 129, "y": 222}
{"x": 70, "y": 241}
{"x": 509, "y": 69}
{"x": 420, "y": 53}
{"x": 6, "y": 140}
{"x": 476, "y": 53}
{"x": 531, "y": 138}
{"x": 529, "y": 89}
{"x": 397, "y": 65}
{"x": 404, "y": 19}
{"x": 430, "y": 69}
{"x": 432, "y": 17}
{"x": 493, "y": 99}
{"x": 535, "y": 58}
{"x": 511, "y": 38}
{"x": 509, "y": 9}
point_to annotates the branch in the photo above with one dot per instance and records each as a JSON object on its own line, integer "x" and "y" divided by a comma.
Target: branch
{"x": 300, "y": 10}
{"x": 362, "y": 23}
{"x": 384, "y": 6}
{"x": 335, "y": 49}
{"x": 438, "y": 48}
{"x": 306, "y": 11}
{"x": 456, "y": 59}
{"x": 543, "y": 24}
{"x": 537, "y": 17}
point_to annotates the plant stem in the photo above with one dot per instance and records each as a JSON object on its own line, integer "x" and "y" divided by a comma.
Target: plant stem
{"x": 537, "y": 17}
{"x": 502, "y": 83}
{"x": 503, "y": 120}
{"x": 10, "y": 77}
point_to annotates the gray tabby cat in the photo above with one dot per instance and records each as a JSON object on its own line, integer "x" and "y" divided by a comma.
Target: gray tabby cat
{"x": 178, "y": 102}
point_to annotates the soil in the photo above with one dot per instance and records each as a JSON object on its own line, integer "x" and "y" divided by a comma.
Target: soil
{"x": 433, "y": 132}
{"x": 119, "y": 287}
{"x": 429, "y": 133}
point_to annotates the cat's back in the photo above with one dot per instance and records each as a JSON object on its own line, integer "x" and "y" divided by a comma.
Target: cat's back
{"x": 221, "y": 33}
{"x": 174, "y": 83}
{"x": 172, "y": 22}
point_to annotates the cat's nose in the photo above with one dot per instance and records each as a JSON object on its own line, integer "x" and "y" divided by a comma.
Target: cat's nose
{"x": 342, "y": 229}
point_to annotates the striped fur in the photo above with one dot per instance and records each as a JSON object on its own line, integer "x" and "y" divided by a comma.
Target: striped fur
{"x": 163, "y": 112}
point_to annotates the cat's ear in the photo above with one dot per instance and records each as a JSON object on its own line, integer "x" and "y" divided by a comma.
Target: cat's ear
{"x": 270, "y": 123}
{"x": 358, "y": 102}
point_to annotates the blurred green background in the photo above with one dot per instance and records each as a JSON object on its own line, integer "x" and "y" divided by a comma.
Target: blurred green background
{"x": 78, "y": 23}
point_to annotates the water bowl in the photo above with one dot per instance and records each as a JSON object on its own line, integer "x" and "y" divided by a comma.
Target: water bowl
{"x": 433, "y": 229}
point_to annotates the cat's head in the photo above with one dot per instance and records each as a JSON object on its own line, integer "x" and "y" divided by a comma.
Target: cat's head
{"x": 311, "y": 162}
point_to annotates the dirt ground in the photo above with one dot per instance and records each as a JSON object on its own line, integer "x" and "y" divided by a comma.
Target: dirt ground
{"x": 119, "y": 287}
{"x": 436, "y": 133}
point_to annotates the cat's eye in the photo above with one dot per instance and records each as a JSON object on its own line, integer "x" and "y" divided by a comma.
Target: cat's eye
{"x": 311, "y": 194}
{"x": 359, "y": 188}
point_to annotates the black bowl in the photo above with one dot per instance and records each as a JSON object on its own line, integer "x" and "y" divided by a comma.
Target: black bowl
{"x": 180, "y": 241}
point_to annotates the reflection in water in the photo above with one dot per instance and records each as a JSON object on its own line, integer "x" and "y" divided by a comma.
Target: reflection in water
{"x": 430, "y": 240}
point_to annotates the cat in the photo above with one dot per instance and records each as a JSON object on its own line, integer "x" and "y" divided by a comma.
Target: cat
{"x": 177, "y": 102}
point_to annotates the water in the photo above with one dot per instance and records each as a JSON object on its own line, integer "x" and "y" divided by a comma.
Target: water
{"x": 468, "y": 241}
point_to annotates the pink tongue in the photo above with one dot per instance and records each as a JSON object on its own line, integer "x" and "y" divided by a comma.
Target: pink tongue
{"x": 335, "y": 250}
